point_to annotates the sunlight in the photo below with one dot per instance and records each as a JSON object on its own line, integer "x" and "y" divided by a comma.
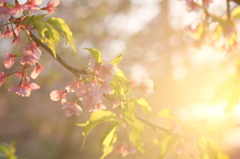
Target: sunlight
{"x": 210, "y": 113}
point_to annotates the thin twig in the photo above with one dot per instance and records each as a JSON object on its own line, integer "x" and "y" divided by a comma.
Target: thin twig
{"x": 228, "y": 9}
{"x": 74, "y": 70}
{"x": 154, "y": 126}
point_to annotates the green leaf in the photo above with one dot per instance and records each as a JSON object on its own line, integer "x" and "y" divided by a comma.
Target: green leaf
{"x": 52, "y": 39}
{"x": 209, "y": 149}
{"x": 166, "y": 113}
{"x": 199, "y": 31}
{"x": 214, "y": 151}
{"x": 120, "y": 84}
{"x": 63, "y": 27}
{"x": 117, "y": 59}
{"x": 9, "y": 151}
{"x": 129, "y": 111}
{"x": 144, "y": 105}
{"x": 217, "y": 32}
{"x": 236, "y": 13}
{"x": 46, "y": 33}
{"x": 109, "y": 138}
{"x": 3, "y": 148}
{"x": 96, "y": 54}
{"x": 136, "y": 135}
{"x": 165, "y": 145}
{"x": 97, "y": 118}
{"x": 39, "y": 25}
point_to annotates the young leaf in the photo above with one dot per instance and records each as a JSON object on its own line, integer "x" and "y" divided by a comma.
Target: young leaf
{"x": 144, "y": 105}
{"x": 46, "y": 33}
{"x": 97, "y": 118}
{"x": 63, "y": 27}
{"x": 109, "y": 138}
{"x": 236, "y": 13}
{"x": 8, "y": 151}
{"x": 165, "y": 113}
{"x": 165, "y": 144}
{"x": 136, "y": 135}
{"x": 96, "y": 54}
{"x": 39, "y": 25}
{"x": 52, "y": 39}
{"x": 129, "y": 112}
{"x": 214, "y": 151}
{"x": 120, "y": 83}
{"x": 117, "y": 59}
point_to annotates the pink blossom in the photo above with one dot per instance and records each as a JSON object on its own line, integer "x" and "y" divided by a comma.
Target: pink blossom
{"x": 206, "y": 3}
{"x": 95, "y": 66}
{"x": 25, "y": 89}
{"x": 132, "y": 83}
{"x": 36, "y": 71}
{"x": 9, "y": 61}
{"x": 22, "y": 74}
{"x": 1, "y": 35}
{"x": 57, "y": 95}
{"x": 29, "y": 59}
{"x": 51, "y": 6}
{"x": 5, "y": 12}
{"x": 2, "y": 78}
{"x": 147, "y": 87}
{"x": 71, "y": 109}
{"x": 192, "y": 6}
{"x": 114, "y": 103}
{"x": 3, "y": 1}
{"x": 72, "y": 87}
{"x": 124, "y": 151}
{"x": 18, "y": 28}
{"x": 32, "y": 5}
{"x": 16, "y": 40}
{"x": 32, "y": 53}
{"x": 106, "y": 88}
{"x": 104, "y": 72}
{"x": 91, "y": 89}
{"x": 107, "y": 71}
{"x": 17, "y": 9}
{"x": 90, "y": 103}
{"x": 32, "y": 49}
{"x": 8, "y": 33}
{"x": 99, "y": 106}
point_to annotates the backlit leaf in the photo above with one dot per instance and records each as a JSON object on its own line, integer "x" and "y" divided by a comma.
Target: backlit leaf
{"x": 63, "y": 28}
{"x": 166, "y": 113}
{"x": 41, "y": 26}
{"x": 117, "y": 59}
{"x": 8, "y": 151}
{"x": 129, "y": 111}
{"x": 165, "y": 145}
{"x": 136, "y": 135}
{"x": 144, "y": 105}
{"x": 109, "y": 138}
{"x": 236, "y": 12}
{"x": 97, "y": 118}
{"x": 96, "y": 54}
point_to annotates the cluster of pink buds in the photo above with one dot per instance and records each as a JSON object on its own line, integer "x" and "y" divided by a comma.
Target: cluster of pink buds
{"x": 31, "y": 56}
{"x": 89, "y": 89}
{"x": 15, "y": 17}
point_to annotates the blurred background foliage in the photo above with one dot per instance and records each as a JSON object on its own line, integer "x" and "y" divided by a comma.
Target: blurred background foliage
{"x": 151, "y": 32}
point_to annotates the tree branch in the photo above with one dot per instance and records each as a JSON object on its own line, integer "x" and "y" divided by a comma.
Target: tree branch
{"x": 155, "y": 127}
{"x": 228, "y": 9}
{"x": 78, "y": 72}
{"x": 74, "y": 70}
